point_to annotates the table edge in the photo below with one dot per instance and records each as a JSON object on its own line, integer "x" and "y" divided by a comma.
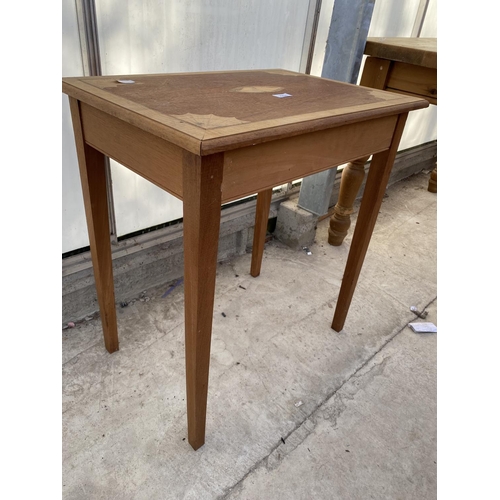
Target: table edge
{"x": 189, "y": 139}
{"x": 376, "y": 47}
{"x": 205, "y": 142}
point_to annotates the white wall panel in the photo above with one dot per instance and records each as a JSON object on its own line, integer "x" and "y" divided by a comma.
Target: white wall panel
{"x": 393, "y": 17}
{"x": 139, "y": 36}
{"x": 159, "y": 36}
{"x": 429, "y": 27}
{"x": 140, "y": 204}
{"x": 421, "y": 127}
{"x": 74, "y": 227}
{"x": 325, "y": 18}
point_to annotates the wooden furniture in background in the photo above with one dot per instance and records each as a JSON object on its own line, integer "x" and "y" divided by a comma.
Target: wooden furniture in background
{"x": 402, "y": 65}
{"x": 209, "y": 138}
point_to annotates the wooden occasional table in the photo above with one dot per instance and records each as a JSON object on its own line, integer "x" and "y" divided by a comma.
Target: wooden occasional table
{"x": 209, "y": 138}
{"x": 405, "y": 66}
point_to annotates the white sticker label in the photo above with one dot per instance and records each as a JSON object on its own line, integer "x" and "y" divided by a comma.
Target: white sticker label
{"x": 282, "y": 95}
{"x": 125, "y": 81}
{"x": 423, "y": 327}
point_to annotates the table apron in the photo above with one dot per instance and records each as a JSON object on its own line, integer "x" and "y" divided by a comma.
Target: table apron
{"x": 409, "y": 79}
{"x": 252, "y": 169}
{"x": 247, "y": 170}
{"x": 153, "y": 158}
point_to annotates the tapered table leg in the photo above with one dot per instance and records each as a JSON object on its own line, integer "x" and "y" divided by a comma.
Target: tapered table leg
{"x": 93, "y": 179}
{"x": 259, "y": 233}
{"x": 202, "y": 179}
{"x": 376, "y": 184}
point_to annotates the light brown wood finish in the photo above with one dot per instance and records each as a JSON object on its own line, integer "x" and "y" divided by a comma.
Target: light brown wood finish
{"x": 433, "y": 179}
{"x": 93, "y": 180}
{"x": 205, "y": 113}
{"x": 420, "y": 51}
{"x": 208, "y": 138}
{"x": 400, "y": 65}
{"x": 158, "y": 161}
{"x": 378, "y": 176}
{"x": 202, "y": 205}
{"x": 413, "y": 80}
{"x": 375, "y": 75}
{"x": 260, "y": 229}
{"x": 292, "y": 158}
{"x": 350, "y": 183}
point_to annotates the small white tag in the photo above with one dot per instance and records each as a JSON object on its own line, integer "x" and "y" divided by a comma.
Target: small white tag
{"x": 282, "y": 95}
{"x": 125, "y": 81}
{"x": 423, "y": 327}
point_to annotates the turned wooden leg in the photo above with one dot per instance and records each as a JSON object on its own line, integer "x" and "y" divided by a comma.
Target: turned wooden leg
{"x": 259, "y": 232}
{"x": 433, "y": 181}
{"x": 202, "y": 179}
{"x": 375, "y": 74}
{"x": 376, "y": 184}
{"x": 350, "y": 183}
{"x": 93, "y": 179}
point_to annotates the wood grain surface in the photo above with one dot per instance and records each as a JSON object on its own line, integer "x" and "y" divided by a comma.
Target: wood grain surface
{"x": 212, "y": 112}
{"x": 411, "y": 50}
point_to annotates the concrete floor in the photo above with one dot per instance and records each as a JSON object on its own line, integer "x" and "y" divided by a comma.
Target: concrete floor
{"x": 295, "y": 410}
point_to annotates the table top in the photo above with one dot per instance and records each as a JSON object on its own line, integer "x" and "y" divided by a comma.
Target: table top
{"x": 216, "y": 111}
{"x": 411, "y": 50}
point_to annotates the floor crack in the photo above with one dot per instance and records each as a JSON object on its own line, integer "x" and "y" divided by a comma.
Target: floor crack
{"x": 311, "y": 417}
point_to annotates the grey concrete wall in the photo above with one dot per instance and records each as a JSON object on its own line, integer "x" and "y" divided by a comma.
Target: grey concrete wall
{"x": 150, "y": 260}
